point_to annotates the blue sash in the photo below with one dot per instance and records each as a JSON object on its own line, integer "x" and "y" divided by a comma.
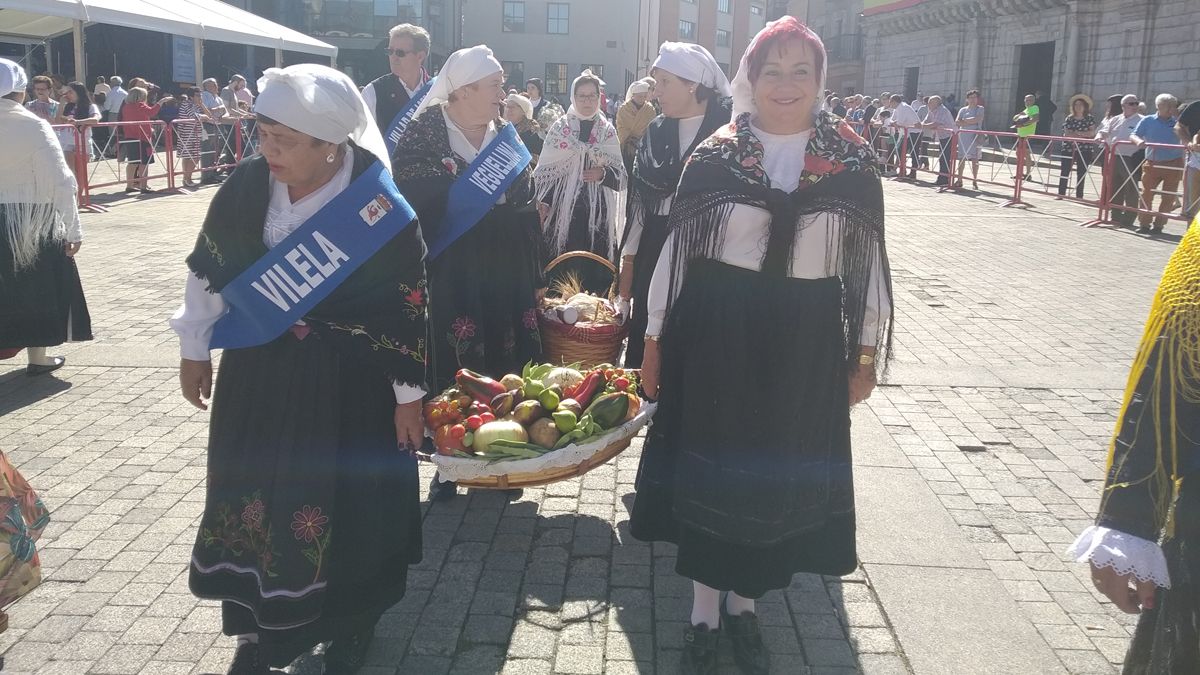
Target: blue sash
{"x": 402, "y": 118}
{"x": 290, "y": 279}
{"x": 475, "y": 192}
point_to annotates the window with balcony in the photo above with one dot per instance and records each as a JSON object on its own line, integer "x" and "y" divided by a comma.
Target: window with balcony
{"x": 723, "y": 6}
{"x": 514, "y": 17}
{"x": 723, "y": 38}
{"x": 756, "y": 10}
{"x": 558, "y": 18}
{"x": 687, "y": 30}
{"x": 556, "y": 78}
{"x": 596, "y": 68}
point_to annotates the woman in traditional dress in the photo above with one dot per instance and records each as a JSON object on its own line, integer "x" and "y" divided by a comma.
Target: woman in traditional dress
{"x": 519, "y": 111}
{"x": 1151, "y": 494}
{"x": 41, "y": 297}
{"x": 579, "y": 175}
{"x": 311, "y": 516}
{"x": 693, "y": 92}
{"x": 633, "y": 117}
{"x": 485, "y": 285}
{"x": 772, "y": 298}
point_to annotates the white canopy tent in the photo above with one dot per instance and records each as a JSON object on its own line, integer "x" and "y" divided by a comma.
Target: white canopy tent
{"x": 37, "y": 20}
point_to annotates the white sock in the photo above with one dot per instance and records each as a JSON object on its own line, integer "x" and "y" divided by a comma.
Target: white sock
{"x": 706, "y": 605}
{"x": 247, "y": 638}
{"x": 737, "y": 605}
{"x": 37, "y": 356}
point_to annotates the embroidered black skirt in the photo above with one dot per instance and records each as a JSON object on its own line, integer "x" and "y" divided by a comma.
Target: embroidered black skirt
{"x": 747, "y": 466}
{"x": 42, "y": 305}
{"x": 311, "y": 516}
{"x": 654, "y": 236}
{"x": 482, "y": 298}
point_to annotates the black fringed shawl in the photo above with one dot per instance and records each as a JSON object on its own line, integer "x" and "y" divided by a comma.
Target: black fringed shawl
{"x": 840, "y": 178}
{"x": 377, "y": 315}
{"x": 658, "y": 164}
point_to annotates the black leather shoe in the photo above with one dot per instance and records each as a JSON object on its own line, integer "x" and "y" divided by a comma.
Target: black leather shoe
{"x": 442, "y": 491}
{"x": 247, "y": 661}
{"x": 347, "y": 655}
{"x": 37, "y": 369}
{"x": 746, "y": 637}
{"x": 699, "y": 650}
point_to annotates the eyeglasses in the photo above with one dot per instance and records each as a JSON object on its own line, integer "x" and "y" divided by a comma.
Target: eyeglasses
{"x": 398, "y": 53}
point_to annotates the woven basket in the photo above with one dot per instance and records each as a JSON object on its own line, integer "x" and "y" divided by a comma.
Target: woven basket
{"x": 522, "y": 480}
{"x": 584, "y": 343}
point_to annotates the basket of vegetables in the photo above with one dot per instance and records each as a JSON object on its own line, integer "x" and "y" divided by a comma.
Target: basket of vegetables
{"x": 549, "y": 423}
{"x": 577, "y": 326}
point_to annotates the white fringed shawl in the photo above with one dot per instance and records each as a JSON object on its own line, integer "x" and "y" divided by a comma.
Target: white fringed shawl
{"x": 37, "y": 188}
{"x": 558, "y": 179}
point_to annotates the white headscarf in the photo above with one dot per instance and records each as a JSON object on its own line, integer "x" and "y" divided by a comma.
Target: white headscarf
{"x": 465, "y": 66}
{"x": 694, "y": 64}
{"x": 743, "y": 91}
{"x": 12, "y": 77}
{"x": 558, "y": 177}
{"x": 521, "y": 102}
{"x": 321, "y": 102}
{"x": 642, "y": 86}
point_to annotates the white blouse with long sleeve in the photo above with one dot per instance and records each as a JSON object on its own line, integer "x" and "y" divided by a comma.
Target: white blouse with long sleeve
{"x": 194, "y": 320}
{"x": 746, "y": 237}
{"x": 463, "y": 148}
{"x": 688, "y": 128}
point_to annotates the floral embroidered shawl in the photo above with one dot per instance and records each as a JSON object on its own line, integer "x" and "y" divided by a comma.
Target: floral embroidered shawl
{"x": 840, "y": 178}
{"x": 378, "y": 314}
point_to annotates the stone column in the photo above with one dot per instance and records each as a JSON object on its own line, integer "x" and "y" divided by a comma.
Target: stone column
{"x": 1070, "y": 80}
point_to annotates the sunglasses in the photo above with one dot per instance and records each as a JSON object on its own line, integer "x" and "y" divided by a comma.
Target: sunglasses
{"x": 398, "y": 53}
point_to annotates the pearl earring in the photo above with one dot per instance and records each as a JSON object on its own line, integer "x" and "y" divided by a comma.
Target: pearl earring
{"x": 329, "y": 158}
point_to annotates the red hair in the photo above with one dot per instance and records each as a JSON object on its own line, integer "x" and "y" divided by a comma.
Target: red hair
{"x": 774, "y": 35}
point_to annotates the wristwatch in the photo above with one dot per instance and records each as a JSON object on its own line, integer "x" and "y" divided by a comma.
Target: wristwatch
{"x": 866, "y": 360}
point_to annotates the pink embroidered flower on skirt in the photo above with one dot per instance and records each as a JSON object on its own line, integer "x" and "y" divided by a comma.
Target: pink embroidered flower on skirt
{"x": 253, "y": 513}
{"x": 308, "y": 523}
{"x": 463, "y": 327}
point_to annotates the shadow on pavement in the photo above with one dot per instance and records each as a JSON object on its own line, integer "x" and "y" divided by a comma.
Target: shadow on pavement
{"x": 18, "y": 390}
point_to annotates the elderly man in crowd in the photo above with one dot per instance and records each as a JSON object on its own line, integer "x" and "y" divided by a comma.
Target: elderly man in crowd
{"x": 906, "y": 119}
{"x": 218, "y": 134}
{"x": 1126, "y": 166}
{"x": 1164, "y": 166}
{"x": 387, "y": 95}
{"x": 940, "y": 126}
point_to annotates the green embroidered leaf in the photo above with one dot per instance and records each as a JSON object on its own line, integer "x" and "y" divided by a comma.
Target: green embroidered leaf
{"x": 312, "y": 556}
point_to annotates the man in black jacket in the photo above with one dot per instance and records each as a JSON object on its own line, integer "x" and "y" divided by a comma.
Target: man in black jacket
{"x": 408, "y": 46}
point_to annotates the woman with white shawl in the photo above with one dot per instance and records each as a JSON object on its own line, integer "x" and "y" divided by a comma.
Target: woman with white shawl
{"x": 41, "y": 298}
{"x": 578, "y": 177}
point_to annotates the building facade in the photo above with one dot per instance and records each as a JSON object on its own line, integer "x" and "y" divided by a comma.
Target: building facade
{"x": 1008, "y": 48}
{"x": 838, "y": 22}
{"x": 556, "y": 40}
{"x": 723, "y": 27}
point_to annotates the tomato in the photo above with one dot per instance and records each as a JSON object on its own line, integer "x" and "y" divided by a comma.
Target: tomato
{"x": 621, "y": 384}
{"x": 487, "y": 417}
{"x": 474, "y": 422}
{"x": 444, "y": 440}
{"x": 619, "y": 372}
{"x": 457, "y": 432}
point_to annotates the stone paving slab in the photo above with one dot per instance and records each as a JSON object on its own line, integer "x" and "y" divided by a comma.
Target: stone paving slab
{"x": 987, "y": 299}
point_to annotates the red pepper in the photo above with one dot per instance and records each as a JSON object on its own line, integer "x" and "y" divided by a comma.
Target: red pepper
{"x": 586, "y": 389}
{"x": 477, "y": 386}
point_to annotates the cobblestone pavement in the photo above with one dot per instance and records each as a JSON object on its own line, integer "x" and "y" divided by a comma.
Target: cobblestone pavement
{"x": 987, "y": 300}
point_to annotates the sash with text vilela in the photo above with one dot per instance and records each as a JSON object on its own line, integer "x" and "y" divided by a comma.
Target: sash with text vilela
{"x": 478, "y": 188}
{"x": 400, "y": 121}
{"x": 282, "y": 286}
